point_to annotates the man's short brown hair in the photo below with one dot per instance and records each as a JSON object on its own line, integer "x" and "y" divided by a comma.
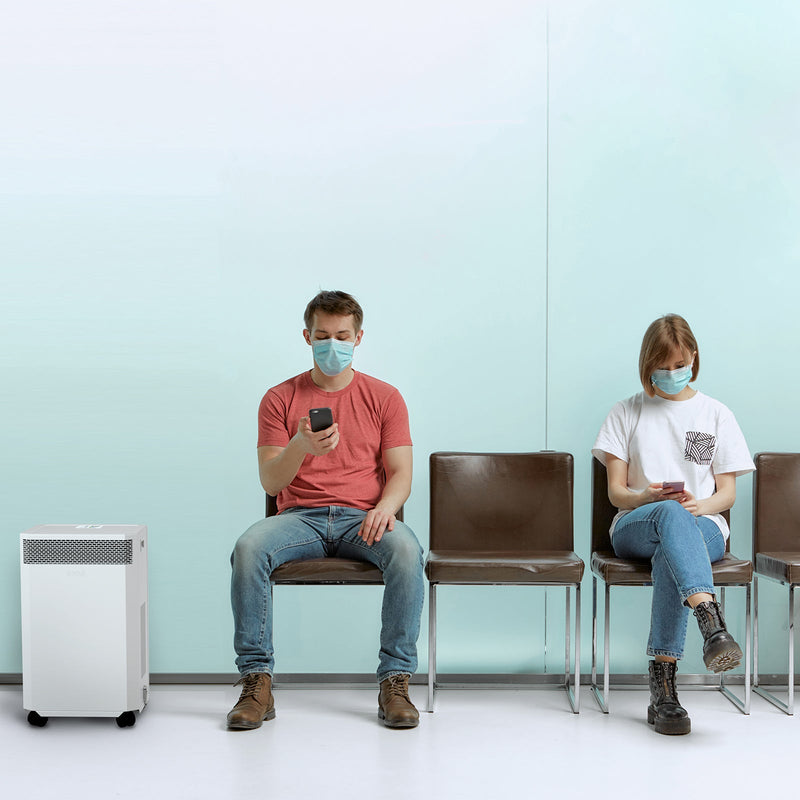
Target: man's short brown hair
{"x": 660, "y": 339}
{"x": 340, "y": 304}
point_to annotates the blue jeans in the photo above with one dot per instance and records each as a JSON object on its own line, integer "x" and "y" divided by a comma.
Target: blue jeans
{"x": 303, "y": 533}
{"x": 681, "y": 548}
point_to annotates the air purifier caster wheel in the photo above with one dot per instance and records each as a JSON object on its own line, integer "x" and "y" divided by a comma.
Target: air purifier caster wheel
{"x": 37, "y": 721}
{"x": 127, "y": 719}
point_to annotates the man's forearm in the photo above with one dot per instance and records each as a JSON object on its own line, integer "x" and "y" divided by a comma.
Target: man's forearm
{"x": 277, "y": 473}
{"x": 395, "y": 493}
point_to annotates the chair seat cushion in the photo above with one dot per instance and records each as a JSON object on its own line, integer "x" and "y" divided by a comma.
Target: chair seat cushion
{"x": 558, "y": 567}
{"x": 621, "y": 571}
{"x": 327, "y": 570}
{"x": 627, "y": 572}
{"x": 782, "y": 566}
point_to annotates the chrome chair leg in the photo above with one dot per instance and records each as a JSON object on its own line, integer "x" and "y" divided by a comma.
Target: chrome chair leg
{"x": 576, "y": 706}
{"x": 567, "y": 643}
{"x": 431, "y": 645}
{"x": 755, "y": 631}
{"x": 742, "y": 704}
{"x": 573, "y": 691}
{"x": 788, "y": 706}
{"x": 594, "y": 631}
{"x": 748, "y": 627}
{"x": 607, "y": 648}
{"x": 600, "y": 697}
{"x": 790, "y": 673}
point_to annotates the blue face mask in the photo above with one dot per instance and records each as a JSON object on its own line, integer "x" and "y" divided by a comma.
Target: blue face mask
{"x": 672, "y": 381}
{"x": 332, "y": 356}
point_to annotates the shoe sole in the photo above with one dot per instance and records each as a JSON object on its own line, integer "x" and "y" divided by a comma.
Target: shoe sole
{"x": 729, "y": 658}
{"x": 242, "y": 727}
{"x": 382, "y": 718}
{"x": 676, "y": 727}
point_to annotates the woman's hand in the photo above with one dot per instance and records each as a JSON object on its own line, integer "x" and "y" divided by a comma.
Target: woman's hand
{"x": 626, "y": 499}
{"x": 654, "y": 493}
{"x": 690, "y": 503}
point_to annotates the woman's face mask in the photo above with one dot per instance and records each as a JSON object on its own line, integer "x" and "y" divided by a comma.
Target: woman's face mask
{"x": 672, "y": 381}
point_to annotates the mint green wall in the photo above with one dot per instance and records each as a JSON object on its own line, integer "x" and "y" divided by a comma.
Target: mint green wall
{"x": 674, "y": 174}
{"x": 178, "y": 181}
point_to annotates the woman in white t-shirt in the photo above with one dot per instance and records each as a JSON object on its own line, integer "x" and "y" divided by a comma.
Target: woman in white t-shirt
{"x": 673, "y": 455}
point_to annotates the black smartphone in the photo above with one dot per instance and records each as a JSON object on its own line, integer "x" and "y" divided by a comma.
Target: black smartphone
{"x": 321, "y": 418}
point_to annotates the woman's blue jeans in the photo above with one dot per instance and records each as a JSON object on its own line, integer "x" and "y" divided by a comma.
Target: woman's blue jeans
{"x": 303, "y": 533}
{"x": 681, "y": 548}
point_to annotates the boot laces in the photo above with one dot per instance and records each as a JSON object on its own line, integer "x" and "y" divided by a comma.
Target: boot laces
{"x": 249, "y": 683}
{"x": 397, "y": 686}
{"x": 709, "y": 615}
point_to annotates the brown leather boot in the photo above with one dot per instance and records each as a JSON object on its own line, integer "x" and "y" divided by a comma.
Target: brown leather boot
{"x": 255, "y": 704}
{"x": 394, "y": 705}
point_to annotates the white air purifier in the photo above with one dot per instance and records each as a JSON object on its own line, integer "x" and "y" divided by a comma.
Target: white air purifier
{"x": 84, "y": 622}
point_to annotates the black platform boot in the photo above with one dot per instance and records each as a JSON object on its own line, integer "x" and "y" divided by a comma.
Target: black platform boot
{"x": 720, "y": 651}
{"x": 664, "y": 711}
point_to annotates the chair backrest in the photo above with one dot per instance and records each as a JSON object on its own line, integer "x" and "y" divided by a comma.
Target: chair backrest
{"x": 776, "y": 502}
{"x": 272, "y": 508}
{"x": 603, "y": 512}
{"x": 501, "y": 502}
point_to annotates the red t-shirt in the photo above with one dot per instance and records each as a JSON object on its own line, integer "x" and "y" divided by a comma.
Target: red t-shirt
{"x": 372, "y": 417}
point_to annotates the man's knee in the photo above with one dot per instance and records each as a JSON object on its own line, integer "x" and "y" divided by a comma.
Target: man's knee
{"x": 250, "y": 546}
{"x": 403, "y": 546}
{"x": 244, "y": 551}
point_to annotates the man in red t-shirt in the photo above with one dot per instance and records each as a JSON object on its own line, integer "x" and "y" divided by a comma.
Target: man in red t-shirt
{"x": 338, "y": 491}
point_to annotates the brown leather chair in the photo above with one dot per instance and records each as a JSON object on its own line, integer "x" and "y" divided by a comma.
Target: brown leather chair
{"x": 728, "y": 571}
{"x": 776, "y": 545}
{"x": 317, "y": 571}
{"x": 503, "y": 519}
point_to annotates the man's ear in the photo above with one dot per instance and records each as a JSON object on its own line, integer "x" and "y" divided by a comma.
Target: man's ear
{"x": 358, "y": 337}
{"x": 307, "y": 335}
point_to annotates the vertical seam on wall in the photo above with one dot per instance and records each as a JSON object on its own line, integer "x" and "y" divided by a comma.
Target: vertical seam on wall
{"x": 544, "y": 655}
{"x": 547, "y": 237}
{"x": 546, "y": 276}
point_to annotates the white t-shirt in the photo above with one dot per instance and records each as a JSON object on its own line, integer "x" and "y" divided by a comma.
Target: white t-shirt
{"x": 673, "y": 440}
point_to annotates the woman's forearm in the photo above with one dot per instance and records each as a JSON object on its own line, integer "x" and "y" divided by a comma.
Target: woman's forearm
{"x": 722, "y": 499}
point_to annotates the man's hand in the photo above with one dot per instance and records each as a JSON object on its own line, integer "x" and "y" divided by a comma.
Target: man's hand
{"x": 320, "y": 443}
{"x": 375, "y": 524}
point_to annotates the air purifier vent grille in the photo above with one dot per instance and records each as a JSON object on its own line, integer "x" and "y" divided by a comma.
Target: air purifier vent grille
{"x": 77, "y": 551}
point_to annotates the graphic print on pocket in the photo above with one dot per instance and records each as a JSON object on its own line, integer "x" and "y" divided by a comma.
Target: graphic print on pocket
{"x": 699, "y": 447}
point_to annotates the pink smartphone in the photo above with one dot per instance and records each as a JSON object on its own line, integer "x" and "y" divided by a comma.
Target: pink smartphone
{"x": 672, "y": 486}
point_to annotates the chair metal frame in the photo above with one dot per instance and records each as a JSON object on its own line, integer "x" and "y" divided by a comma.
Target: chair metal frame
{"x": 602, "y": 697}
{"x": 787, "y": 707}
{"x": 571, "y": 682}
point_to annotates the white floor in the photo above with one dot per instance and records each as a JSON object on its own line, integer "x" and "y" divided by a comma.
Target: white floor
{"x": 327, "y": 743}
